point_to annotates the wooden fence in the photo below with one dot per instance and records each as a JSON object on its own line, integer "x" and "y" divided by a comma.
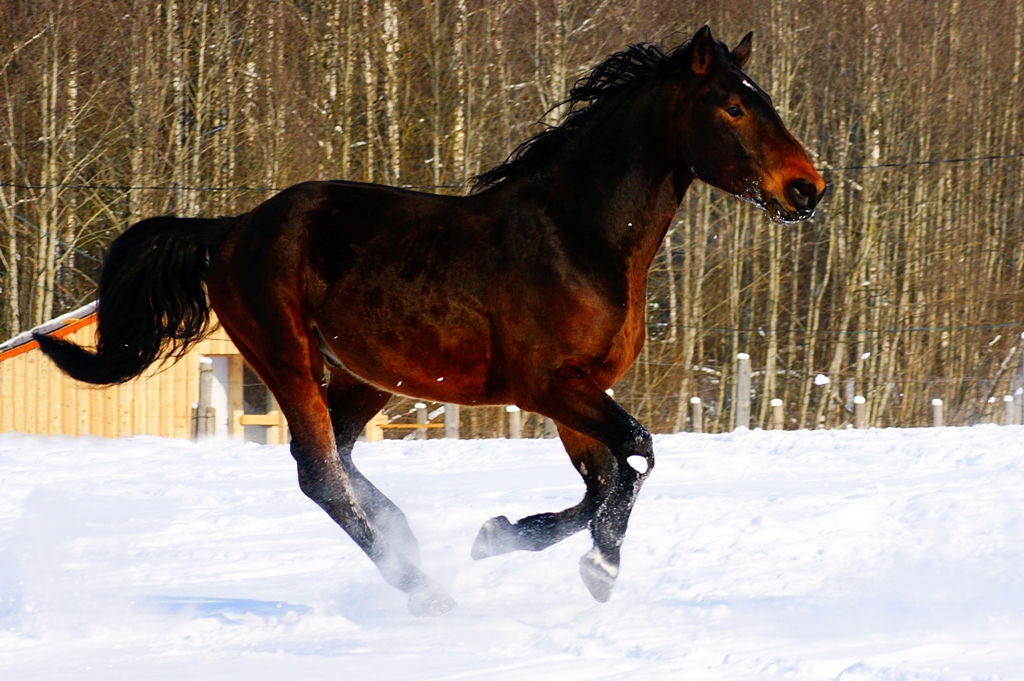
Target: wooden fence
{"x": 743, "y": 398}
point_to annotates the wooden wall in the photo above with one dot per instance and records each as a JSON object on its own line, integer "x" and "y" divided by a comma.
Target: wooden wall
{"x": 35, "y": 397}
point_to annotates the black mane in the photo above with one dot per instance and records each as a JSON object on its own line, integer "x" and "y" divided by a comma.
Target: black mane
{"x": 623, "y": 71}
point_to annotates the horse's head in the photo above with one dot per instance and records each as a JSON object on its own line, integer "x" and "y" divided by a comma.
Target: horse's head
{"x": 737, "y": 141}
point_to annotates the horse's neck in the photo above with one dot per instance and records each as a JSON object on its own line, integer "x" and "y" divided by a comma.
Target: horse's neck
{"x": 620, "y": 180}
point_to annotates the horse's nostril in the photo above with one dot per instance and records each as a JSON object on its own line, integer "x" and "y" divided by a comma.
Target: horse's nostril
{"x": 802, "y": 193}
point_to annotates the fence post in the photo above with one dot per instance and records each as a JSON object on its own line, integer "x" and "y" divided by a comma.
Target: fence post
{"x": 860, "y": 412}
{"x": 1019, "y": 392}
{"x": 1008, "y": 410}
{"x": 451, "y": 421}
{"x": 421, "y": 417}
{"x": 204, "y": 423}
{"x": 515, "y": 422}
{"x": 742, "y": 399}
{"x": 778, "y": 420}
{"x": 550, "y": 429}
{"x": 697, "y": 414}
{"x": 374, "y": 432}
{"x": 937, "y": 413}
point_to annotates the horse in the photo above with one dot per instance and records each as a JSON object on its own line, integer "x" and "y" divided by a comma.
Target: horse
{"x": 530, "y": 290}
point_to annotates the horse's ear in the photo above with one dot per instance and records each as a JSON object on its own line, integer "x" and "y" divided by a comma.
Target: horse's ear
{"x": 742, "y": 52}
{"x": 702, "y": 51}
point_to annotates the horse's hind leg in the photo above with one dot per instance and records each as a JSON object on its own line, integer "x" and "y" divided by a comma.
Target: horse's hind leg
{"x": 537, "y": 532}
{"x": 292, "y": 367}
{"x": 351, "y": 404}
{"x": 326, "y": 479}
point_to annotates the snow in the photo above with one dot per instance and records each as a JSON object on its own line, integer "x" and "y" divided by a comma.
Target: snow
{"x": 880, "y": 554}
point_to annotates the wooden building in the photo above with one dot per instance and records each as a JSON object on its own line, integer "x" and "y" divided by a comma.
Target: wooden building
{"x": 210, "y": 392}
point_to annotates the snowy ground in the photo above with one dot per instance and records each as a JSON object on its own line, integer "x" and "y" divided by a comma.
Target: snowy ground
{"x": 883, "y": 554}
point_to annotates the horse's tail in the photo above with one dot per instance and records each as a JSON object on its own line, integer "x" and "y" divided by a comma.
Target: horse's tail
{"x": 152, "y": 300}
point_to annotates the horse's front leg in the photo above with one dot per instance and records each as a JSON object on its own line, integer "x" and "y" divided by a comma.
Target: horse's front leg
{"x": 600, "y": 566}
{"x": 587, "y": 409}
{"x": 613, "y": 483}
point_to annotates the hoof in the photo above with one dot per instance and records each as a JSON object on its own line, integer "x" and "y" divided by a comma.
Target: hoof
{"x": 430, "y": 600}
{"x": 598, "y": 575}
{"x": 495, "y": 538}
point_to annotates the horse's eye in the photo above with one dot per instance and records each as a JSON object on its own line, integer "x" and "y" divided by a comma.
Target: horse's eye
{"x": 734, "y": 111}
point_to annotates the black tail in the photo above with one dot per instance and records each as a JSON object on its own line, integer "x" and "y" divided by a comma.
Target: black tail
{"x": 152, "y": 300}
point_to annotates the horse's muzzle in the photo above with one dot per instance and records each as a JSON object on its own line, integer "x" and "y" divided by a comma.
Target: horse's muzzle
{"x": 803, "y": 195}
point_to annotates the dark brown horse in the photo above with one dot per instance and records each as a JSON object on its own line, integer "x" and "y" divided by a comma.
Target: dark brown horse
{"x": 531, "y": 291}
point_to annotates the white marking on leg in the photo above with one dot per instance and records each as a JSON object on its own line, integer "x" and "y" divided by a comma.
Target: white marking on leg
{"x": 638, "y": 463}
{"x": 595, "y": 557}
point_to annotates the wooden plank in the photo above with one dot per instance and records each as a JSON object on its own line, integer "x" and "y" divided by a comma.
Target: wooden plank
{"x": 178, "y": 395}
{"x": 20, "y": 414}
{"x": 65, "y": 397}
{"x": 17, "y": 410}
{"x": 188, "y": 394}
{"x": 16, "y": 406}
{"x": 5, "y": 397}
{"x": 140, "y": 405}
{"x": 52, "y": 395}
{"x": 4, "y": 408}
{"x": 91, "y": 405}
{"x": 124, "y": 408}
{"x": 29, "y": 396}
{"x": 98, "y": 415}
{"x": 82, "y": 404}
{"x": 166, "y": 408}
{"x": 128, "y": 409}
{"x": 168, "y": 392}
{"x": 151, "y": 400}
{"x": 28, "y": 388}
{"x": 109, "y": 413}
{"x": 38, "y": 386}
{"x": 272, "y": 419}
{"x": 168, "y": 380}
{"x": 274, "y": 431}
{"x": 411, "y": 425}
{"x": 235, "y": 402}
{"x": 79, "y": 394}
{"x": 56, "y": 381}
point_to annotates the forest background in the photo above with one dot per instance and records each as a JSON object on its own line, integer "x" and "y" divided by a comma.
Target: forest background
{"x": 906, "y": 286}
